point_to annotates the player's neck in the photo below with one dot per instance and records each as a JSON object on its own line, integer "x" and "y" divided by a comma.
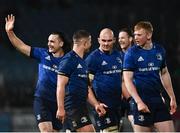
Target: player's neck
{"x": 147, "y": 46}
{"x": 79, "y": 51}
{"x": 58, "y": 54}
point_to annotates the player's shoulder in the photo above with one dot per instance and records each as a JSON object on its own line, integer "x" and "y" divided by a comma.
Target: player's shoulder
{"x": 95, "y": 52}
{"x": 158, "y": 46}
{"x": 133, "y": 48}
{"x": 40, "y": 49}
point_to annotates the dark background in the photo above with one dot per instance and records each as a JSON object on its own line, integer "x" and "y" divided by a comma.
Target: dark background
{"x": 35, "y": 19}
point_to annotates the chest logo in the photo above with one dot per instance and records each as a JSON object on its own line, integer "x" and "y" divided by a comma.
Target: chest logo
{"x": 79, "y": 66}
{"x": 159, "y": 56}
{"x": 48, "y": 57}
{"x": 104, "y": 63}
{"x": 140, "y": 59}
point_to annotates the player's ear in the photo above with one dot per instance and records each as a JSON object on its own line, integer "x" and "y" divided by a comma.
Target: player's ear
{"x": 61, "y": 44}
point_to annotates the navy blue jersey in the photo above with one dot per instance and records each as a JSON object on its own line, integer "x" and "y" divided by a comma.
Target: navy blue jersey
{"x": 47, "y": 73}
{"x": 146, "y": 65}
{"x": 107, "y": 71}
{"x": 76, "y": 90}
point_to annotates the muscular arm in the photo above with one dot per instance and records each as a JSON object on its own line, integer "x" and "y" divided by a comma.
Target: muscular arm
{"x": 125, "y": 92}
{"x": 128, "y": 79}
{"x": 61, "y": 83}
{"x": 16, "y": 42}
{"x": 92, "y": 100}
{"x": 166, "y": 81}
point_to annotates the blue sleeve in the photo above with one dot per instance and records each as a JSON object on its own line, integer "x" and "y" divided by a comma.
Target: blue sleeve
{"x": 66, "y": 67}
{"x": 163, "y": 59}
{"x": 92, "y": 64}
{"x": 129, "y": 62}
{"x": 36, "y": 53}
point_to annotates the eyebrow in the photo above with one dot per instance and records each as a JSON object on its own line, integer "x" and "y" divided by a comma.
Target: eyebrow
{"x": 104, "y": 40}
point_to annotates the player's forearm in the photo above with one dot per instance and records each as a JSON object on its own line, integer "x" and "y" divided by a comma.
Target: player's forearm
{"x": 125, "y": 92}
{"x": 132, "y": 91}
{"x": 60, "y": 97}
{"x": 18, "y": 44}
{"x": 91, "y": 98}
{"x": 166, "y": 81}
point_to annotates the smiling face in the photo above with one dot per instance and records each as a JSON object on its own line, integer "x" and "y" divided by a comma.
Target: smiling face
{"x": 54, "y": 43}
{"x": 106, "y": 40}
{"x": 124, "y": 40}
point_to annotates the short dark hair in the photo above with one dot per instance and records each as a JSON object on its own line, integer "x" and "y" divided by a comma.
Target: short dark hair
{"x": 128, "y": 31}
{"x": 80, "y": 34}
{"x": 67, "y": 43}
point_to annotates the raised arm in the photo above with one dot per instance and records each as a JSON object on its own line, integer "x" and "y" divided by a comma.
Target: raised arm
{"x": 166, "y": 81}
{"x": 16, "y": 42}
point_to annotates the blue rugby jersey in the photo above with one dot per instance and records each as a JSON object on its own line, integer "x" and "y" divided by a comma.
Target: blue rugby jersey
{"x": 146, "y": 65}
{"x": 107, "y": 71}
{"x": 47, "y": 73}
{"x": 76, "y": 91}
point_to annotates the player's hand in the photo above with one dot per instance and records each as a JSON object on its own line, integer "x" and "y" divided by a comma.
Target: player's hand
{"x": 10, "y": 19}
{"x": 60, "y": 114}
{"x": 173, "y": 106}
{"x": 143, "y": 107}
{"x": 100, "y": 109}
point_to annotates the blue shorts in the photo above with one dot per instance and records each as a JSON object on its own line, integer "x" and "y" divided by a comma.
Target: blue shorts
{"x": 111, "y": 118}
{"x": 159, "y": 113}
{"x": 45, "y": 111}
{"x": 132, "y": 105}
{"x": 77, "y": 118}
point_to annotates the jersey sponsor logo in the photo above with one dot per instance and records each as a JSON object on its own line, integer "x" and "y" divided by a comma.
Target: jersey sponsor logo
{"x": 82, "y": 75}
{"x": 114, "y": 67}
{"x": 151, "y": 64}
{"x": 112, "y": 71}
{"x": 55, "y": 66}
{"x": 149, "y": 69}
{"x": 159, "y": 56}
{"x": 48, "y": 57}
{"x": 50, "y": 68}
{"x": 141, "y": 117}
{"x": 84, "y": 119}
{"x": 140, "y": 59}
{"x": 79, "y": 66}
{"x": 104, "y": 63}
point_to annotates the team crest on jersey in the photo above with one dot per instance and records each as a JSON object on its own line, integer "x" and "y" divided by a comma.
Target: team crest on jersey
{"x": 98, "y": 123}
{"x": 38, "y": 117}
{"x": 159, "y": 56}
{"x": 108, "y": 120}
{"x": 119, "y": 60}
{"x": 48, "y": 57}
{"x": 84, "y": 119}
{"x": 74, "y": 124}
